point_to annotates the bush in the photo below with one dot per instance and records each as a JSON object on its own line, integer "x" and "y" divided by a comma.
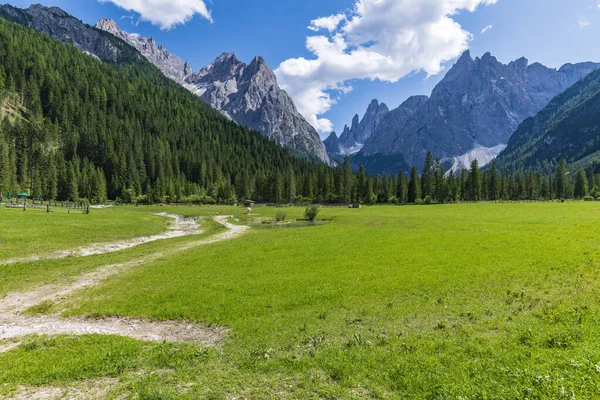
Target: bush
{"x": 428, "y": 200}
{"x": 311, "y": 213}
{"x": 280, "y": 216}
{"x": 419, "y": 201}
{"x": 588, "y": 198}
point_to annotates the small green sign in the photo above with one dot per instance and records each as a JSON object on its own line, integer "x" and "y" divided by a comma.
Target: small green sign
{"x": 9, "y": 196}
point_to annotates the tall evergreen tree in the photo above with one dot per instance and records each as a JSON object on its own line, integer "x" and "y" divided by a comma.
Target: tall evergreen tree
{"x": 475, "y": 183}
{"x": 560, "y": 180}
{"x": 414, "y": 186}
{"x": 581, "y": 184}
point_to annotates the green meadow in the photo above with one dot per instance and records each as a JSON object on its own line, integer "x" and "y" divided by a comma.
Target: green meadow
{"x": 465, "y": 301}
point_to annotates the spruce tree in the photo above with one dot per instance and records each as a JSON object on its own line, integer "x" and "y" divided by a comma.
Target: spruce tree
{"x": 560, "y": 180}
{"x": 475, "y": 184}
{"x": 414, "y": 186}
{"x": 581, "y": 184}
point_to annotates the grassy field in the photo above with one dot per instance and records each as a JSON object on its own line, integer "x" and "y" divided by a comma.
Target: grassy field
{"x": 474, "y": 301}
{"x": 35, "y": 232}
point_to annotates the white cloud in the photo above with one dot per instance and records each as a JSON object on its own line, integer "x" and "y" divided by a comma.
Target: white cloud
{"x": 379, "y": 39}
{"x": 486, "y": 29}
{"x": 330, "y": 23}
{"x": 584, "y": 22}
{"x": 165, "y": 13}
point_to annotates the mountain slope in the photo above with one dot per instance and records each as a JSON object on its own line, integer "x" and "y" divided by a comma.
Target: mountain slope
{"x": 59, "y": 25}
{"x": 479, "y": 103}
{"x": 93, "y": 129}
{"x": 246, "y": 93}
{"x": 568, "y": 127}
{"x": 172, "y": 66}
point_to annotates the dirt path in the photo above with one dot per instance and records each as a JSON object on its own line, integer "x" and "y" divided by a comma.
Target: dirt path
{"x": 90, "y": 389}
{"x": 180, "y": 227}
{"x": 13, "y": 324}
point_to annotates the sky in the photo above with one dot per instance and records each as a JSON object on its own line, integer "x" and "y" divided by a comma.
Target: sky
{"x": 335, "y": 56}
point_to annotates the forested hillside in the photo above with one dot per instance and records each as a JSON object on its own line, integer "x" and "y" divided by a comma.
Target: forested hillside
{"x": 568, "y": 128}
{"x": 95, "y": 130}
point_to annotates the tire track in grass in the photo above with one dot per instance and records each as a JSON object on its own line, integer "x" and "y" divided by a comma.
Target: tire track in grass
{"x": 13, "y": 324}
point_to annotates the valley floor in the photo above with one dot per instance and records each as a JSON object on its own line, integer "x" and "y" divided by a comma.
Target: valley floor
{"x": 463, "y": 301}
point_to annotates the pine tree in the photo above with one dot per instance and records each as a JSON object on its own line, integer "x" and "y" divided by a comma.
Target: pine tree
{"x": 581, "y": 184}
{"x": 475, "y": 189}
{"x": 414, "y": 186}
{"x": 428, "y": 177}
{"x": 560, "y": 180}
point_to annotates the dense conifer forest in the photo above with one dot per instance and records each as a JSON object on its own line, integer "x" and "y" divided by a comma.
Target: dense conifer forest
{"x": 74, "y": 128}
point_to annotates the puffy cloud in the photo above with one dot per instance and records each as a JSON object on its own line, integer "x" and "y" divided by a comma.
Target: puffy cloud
{"x": 330, "y": 23}
{"x": 165, "y": 13}
{"x": 378, "y": 39}
{"x": 487, "y": 29}
{"x": 584, "y": 22}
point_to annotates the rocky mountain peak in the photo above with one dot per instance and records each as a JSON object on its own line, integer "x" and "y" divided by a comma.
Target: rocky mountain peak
{"x": 171, "y": 65}
{"x": 108, "y": 25}
{"x": 352, "y": 138}
{"x": 38, "y": 8}
{"x": 332, "y": 145}
{"x": 520, "y": 64}
{"x": 249, "y": 95}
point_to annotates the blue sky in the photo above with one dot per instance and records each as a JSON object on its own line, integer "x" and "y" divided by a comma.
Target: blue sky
{"x": 553, "y": 32}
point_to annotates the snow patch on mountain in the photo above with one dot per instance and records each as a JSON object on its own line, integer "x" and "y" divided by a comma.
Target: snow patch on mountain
{"x": 483, "y": 155}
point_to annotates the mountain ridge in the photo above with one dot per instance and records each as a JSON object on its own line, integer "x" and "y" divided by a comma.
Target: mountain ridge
{"x": 479, "y": 103}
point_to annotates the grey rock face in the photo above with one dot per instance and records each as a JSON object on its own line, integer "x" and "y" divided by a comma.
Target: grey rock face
{"x": 480, "y": 102}
{"x": 172, "y": 66}
{"x": 57, "y": 24}
{"x": 392, "y": 123}
{"x": 353, "y": 138}
{"x": 249, "y": 95}
{"x": 332, "y": 145}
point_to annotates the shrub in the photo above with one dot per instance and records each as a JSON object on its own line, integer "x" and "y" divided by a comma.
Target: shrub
{"x": 419, "y": 201}
{"x": 280, "y": 216}
{"x": 428, "y": 200}
{"x": 588, "y": 198}
{"x": 311, "y": 213}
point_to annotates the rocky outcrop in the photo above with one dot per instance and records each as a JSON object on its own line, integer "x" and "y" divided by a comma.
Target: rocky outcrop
{"x": 479, "y": 103}
{"x": 171, "y": 65}
{"x": 57, "y": 24}
{"x": 249, "y": 95}
{"x": 353, "y": 138}
{"x": 332, "y": 145}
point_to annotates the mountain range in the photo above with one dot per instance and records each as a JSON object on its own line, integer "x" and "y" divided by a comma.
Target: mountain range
{"x": 477, "y": 105}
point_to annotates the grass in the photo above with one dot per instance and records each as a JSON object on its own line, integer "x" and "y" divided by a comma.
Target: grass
{"x": 462, "y": 301}
{"x": 35, "y": 232}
